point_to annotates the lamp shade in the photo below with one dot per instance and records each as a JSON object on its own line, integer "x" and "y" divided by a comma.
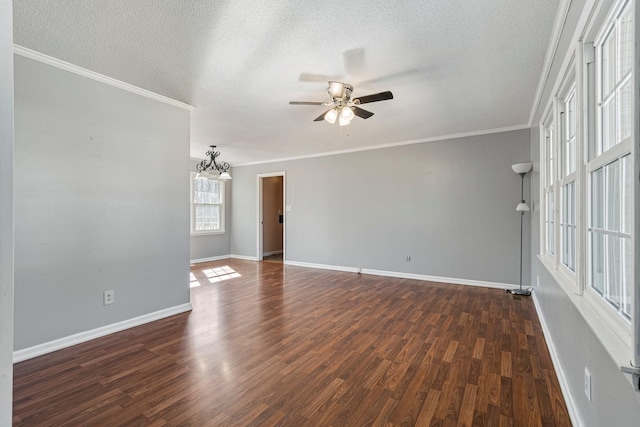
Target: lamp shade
{"x": 522, "y": 207}
{"x": 202, "y": 175}
{"x": 521, "y": 167}
{"x": 224, "y": 176}
{"x": 347, "y": 113}
{"x": 331, "y": 116}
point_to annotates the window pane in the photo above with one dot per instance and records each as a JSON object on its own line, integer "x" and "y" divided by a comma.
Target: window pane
{"x": 572, "y": 249}
{"x": 568, "y": 225}
{"x": 626, "y": 42}
{"x": 614, "y": 261}
{"x": 625, "y": 111}
{"x": 207, "y": 217}
{"x": 550, "y": 222}
{"x": 206, "y": 191}
{"x": 571, "y": 116}
{"x": 550, "y": 155}
{"x": 612, "y": 176}
{"x": 627, "y": 209}
{"x": 608, "y": 64}
{"x": 608, "y": 125}
{"x": 597, "y": 199}
{"x": 627, "y": 277}
{"x": 597, "y": 262}
{"x": 570, "y": 157}
{"x": 565, "y": 245}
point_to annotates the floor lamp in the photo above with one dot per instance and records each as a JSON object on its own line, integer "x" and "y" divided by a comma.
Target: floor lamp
{"x": 521, "y": 169}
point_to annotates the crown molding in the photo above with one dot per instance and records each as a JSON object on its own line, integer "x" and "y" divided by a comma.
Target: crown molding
{"x": 392, "y": 144}
{"x": 54, "y": 62}
{"x": 558, "y": 27}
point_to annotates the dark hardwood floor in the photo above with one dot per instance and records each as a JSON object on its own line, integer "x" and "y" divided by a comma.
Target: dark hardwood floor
{"x": 268, "y": 344}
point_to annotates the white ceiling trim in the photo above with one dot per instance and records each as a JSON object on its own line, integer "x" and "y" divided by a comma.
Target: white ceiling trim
{"x": 392, "y": 144}
{"x": 54, "y": 62}
{"x": 558, "y": 27}
{"x": 589, "y": 10}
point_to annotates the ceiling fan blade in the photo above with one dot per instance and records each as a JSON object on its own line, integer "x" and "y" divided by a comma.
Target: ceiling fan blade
{"x": 306, "y": 103}
{"x": 321, "y": 116}
{"x": 361, "y": 113}
{"x": 399, "y": 74}
{"x": 309, "y": 77}
{"x": 382, "y": 96}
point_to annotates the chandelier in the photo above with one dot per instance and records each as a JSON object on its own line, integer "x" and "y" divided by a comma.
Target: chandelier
{"x": 208, "y": 166}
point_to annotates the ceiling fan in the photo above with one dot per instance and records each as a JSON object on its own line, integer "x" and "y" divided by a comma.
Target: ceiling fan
{"x": 343, "y": 107}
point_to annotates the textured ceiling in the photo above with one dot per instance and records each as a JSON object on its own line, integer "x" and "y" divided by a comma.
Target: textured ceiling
{"x": 454, "y": 66}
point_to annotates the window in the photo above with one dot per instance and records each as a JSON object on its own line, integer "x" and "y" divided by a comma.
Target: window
{"x": 587, "y": 177}
{"x": 568, "y": 181}
{"x": 549, "y": 193}
{"x": 610, "y": 170}
{"x": 207, "y": 206}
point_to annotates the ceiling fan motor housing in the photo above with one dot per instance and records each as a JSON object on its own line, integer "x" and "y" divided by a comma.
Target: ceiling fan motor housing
{"x": 339, "y": 91}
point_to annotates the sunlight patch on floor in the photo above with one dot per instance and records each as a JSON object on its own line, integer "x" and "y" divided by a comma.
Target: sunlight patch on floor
{"x": 193, "y": 281}
{"x": 220, "y": 274}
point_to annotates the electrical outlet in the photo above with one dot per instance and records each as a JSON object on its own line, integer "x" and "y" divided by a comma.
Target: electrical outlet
{"x": 408, "y": 258}
{"x": 538, "y": 281}
{"x": 587, "y": 383}
{"x": 109, "y": 297}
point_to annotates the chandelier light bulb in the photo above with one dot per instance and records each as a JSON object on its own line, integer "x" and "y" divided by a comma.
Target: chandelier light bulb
{"x": 347, "y": 113}
{"x": 331, "y": 116}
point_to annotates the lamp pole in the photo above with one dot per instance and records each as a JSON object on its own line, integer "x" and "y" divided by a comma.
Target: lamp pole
{"x": 521, "y": 169}
{"x": 521, "y": 228}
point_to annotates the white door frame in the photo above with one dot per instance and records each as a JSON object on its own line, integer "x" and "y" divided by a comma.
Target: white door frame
{"x": 259, "y": 225}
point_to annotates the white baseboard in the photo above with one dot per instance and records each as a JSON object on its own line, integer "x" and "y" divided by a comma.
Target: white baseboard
{"x": 439, "y": 279}
{"x": 321, "y": 266}
{"x": 60, "y": 343}
{"x": 562, "y": 378}
{"x": 401, "y": 275}
{"x": 247, "y": 258}
{"x": 212, "y": 258}
{"x": 272, "y": 253}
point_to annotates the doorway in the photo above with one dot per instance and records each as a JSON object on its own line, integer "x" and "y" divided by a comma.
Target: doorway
{"x": 271, "y": 217}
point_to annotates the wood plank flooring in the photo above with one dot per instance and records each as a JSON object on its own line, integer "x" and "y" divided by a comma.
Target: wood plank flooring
{"x": 269, "y": 344}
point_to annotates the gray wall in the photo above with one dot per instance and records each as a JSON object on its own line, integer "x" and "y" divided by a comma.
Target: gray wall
{"x": 213, "y": 245}
{"x": 450, "y": 205}
{"x": 6, "y": 211}
{"x": 100, "y": 203}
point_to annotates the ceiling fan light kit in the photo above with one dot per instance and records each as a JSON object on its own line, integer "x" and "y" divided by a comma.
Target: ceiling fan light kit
{"x": 342, "y": 107}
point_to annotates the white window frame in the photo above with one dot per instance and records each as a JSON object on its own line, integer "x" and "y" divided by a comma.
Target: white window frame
{"x": 602, "y": 157}
{"x": 553, "y": 143}
{"x": 619, "y": 336}
{"x": 548, "y": 216}
{"x": 565, "y": 179}
{"x": 194, "y": 232}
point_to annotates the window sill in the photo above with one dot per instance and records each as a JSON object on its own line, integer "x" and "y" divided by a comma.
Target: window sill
{"x": 614, "y": 344}
{"x": 207, "y": 233}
